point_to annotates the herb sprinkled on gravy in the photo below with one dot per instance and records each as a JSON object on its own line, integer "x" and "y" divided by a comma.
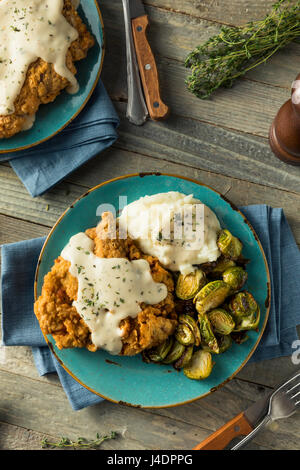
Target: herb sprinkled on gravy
{"x": 30, "y": 30}
{"x": 109, "y": 290}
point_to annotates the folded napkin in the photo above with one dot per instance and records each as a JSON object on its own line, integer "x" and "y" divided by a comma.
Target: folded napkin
{"x": 43, "y": 166}
{"x": 20, "y": 326}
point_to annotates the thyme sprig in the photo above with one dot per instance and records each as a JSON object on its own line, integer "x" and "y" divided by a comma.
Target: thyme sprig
{"x": 236, "y": 50}
{"x": 81, "y": 442}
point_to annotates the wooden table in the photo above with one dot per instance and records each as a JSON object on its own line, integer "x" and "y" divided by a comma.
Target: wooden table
{"x": 221, "y": 142}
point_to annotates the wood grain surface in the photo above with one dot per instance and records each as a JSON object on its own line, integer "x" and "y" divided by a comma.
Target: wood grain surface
{"x": 221, "y": 142}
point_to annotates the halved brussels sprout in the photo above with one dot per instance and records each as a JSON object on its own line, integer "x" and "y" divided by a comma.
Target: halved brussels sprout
{"x": 175, "y": 353}
{"x": 229, "y": 246}
{"x": 185, "y": 358}
{"x": 221, "y": 321}
{"x": 242, "y": 305}
{"x": 249, "y": 323}
{"x": 211, "y": 296}
{"x": 159, "y": 353}
{"x": 207, "y": 334}
{"x": 189, "y": 284}
{"x": 221, "y": 265}
{"x": 200, "y": 366}
{"x": 184, "y": 335}
{"x": 191, "y": 323}
{"x": 235, "y": 277}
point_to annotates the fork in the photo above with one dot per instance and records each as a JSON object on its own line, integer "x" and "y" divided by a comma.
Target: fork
{"x": 283, "y": 403}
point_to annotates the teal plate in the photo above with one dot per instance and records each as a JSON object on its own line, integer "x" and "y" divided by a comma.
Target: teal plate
{"x": 54, "y": 117}
{"x": 129, "y": 380}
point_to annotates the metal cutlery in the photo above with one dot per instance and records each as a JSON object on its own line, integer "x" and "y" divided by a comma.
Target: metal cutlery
{"x": 283, "y": 403}
{"x": 142, "y": 76}
{"x": 279, "y": 403}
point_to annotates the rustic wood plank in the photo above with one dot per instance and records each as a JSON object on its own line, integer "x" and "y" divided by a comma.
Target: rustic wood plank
{"x": 173, "y": 35}
{"x": 174, "y": 428}
{"x": 45, "y": 210}
{"x": 234, "y": 12}
{"x": 17, "y": 438}
{"x": 208, "y": 147}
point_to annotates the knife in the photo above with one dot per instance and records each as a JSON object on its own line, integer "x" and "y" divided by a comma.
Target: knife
{"x": 239, "y": 426}
{"x": 145, "y": 59}
{"x": 137, "y": 111}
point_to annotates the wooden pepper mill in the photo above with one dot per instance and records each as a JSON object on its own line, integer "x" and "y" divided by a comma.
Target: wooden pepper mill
{"x": 284, "y": 135}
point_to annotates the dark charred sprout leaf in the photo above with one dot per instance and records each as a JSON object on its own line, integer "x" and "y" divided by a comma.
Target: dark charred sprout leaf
{"x": 224, "y": 343}
{"x": 235, "y": 277}
{"x": 184, "y": 335}
{"x": 221, "y": 321}
{"x": 189, "y": 284}
{"x": 185, "y": 307}
{"x": 211, "y": 296}
{"x": 175, "y": 353}
{"x": 229, "y": 245}
{"x": 242, "y": 305}
{"x": 239, "y": 337}
{"x": 200, "y": 366}
{"x": 159, "y": 353}
{"x": 184, "y": 358}
{"x": 207, "y": 334}
{"x": 192, "y": 324}
{"x": 221, "y": 265}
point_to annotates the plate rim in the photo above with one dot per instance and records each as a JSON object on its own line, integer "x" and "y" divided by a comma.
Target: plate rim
{"x": 267, "y": 301}
{"x": 25, "y": 147}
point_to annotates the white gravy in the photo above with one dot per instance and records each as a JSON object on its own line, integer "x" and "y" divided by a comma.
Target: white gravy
{"x": 159, "y": 226}
{"x": 31, "y": 29}
{"x": 109, "y": 290}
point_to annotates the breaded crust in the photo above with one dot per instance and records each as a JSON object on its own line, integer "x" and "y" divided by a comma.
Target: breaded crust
{"x": 42, "y": 84}
{"x": 58, "y": 317}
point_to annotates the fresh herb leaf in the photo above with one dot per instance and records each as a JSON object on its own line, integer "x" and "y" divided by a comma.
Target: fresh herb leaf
{"x": 236, "y": 50}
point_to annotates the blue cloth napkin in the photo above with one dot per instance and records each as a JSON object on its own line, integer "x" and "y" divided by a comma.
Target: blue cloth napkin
{"x": 42, "y": 167}
{"x": 20, "y": 326}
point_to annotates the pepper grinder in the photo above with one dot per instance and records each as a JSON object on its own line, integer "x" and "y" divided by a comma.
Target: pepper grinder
{"x": 284, "y": 134}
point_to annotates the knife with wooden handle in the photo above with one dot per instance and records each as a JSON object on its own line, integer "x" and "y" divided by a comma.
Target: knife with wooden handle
{"x": 146, "y": 61}
{"x": 238, "y": 427}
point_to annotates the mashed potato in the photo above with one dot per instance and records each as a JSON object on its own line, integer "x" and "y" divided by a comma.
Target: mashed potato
{"x": 176, "y": 228}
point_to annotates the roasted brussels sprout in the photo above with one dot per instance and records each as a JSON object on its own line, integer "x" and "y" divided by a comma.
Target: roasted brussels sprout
{"x": 189, "y": 284}
{"x": 235, "y": 277}
{"x": 185, "y": 358}
{"x": 159, "y": 353}
{"x": 207, "y": 334}
{"x": 229, "y": 246}
{"x": 211, "y": 296}
{"x": 242, "y": 305}
{"x": 249, "y": 323}
{"x": 184, "y": 335}
{"x": 221, "y": 265}
{"x": 175, "y": 353}
{"x": 200, "y": 366}
{"x": 192, "y": 324}
{"x": 221, "y": 321}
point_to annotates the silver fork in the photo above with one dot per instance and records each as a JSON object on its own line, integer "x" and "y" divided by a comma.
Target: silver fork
{"x": 283, "y": 403}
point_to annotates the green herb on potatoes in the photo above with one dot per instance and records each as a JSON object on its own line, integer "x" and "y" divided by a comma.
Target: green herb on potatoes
{"x": 236, "y": 50}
